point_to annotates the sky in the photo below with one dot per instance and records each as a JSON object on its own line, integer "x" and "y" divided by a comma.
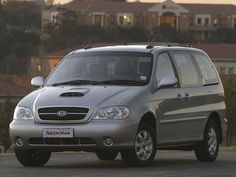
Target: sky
{"x": 178, "y": 1}
{"x": 197, "y": 1}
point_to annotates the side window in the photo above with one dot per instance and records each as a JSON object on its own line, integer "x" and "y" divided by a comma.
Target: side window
{"x": 164, "y": 66}
{"x": 188, "y": 73}
{"x": 208, "y": 72}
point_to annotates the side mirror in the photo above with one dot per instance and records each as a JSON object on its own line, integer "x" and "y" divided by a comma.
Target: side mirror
{"x": 167, "y": 81}
{"x": 37, "y": 81}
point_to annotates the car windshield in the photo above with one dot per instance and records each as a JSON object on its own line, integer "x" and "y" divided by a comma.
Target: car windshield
{"x": 114, "y": 68}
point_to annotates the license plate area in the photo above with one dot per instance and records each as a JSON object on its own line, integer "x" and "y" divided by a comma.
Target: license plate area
{"x": 58, "y": 133}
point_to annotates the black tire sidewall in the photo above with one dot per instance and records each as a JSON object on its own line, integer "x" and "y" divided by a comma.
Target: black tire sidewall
{"x": 202, "y": 150}
{"x": 26, "y": 157}
{"x": 106, "y": 154}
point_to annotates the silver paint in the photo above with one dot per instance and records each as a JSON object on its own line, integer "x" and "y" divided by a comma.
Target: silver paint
{"x": 179, "y": 119}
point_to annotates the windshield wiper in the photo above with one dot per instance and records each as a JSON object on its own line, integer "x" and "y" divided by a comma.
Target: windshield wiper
{"x": 75, "y": 82}
{"x": 91, "y": 82}
{"x": 119, "y": 82}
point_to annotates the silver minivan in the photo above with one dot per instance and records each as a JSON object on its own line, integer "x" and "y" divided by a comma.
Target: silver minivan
{"x": 129, "y": 99}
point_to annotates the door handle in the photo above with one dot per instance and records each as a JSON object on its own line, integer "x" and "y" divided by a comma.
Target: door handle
{"x": 179, "y": 96}
{"x": 187, "y": 96}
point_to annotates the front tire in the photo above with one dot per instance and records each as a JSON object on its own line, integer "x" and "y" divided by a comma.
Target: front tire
{"x": 143, "y": 152}
{"x": 32, "y": 157}
{"x": 106, "y": 155}
{"x": 208, "y": 149}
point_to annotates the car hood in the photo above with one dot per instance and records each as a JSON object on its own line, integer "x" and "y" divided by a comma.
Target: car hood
{"x": 82, "y": 96}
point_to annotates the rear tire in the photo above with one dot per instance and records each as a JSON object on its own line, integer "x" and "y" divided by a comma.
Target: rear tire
{"x": 32, "y": 157}
{"x": 143, "y": 152}
{"x": 208, "y": 149}
{"x": 106, "y": 155}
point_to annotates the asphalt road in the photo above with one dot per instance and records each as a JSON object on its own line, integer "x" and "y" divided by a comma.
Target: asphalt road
{"x": 166, "y": 164}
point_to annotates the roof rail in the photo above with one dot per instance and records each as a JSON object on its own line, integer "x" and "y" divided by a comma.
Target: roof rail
{"x": 149, "y": 46}
{"x": 168, "y": 44}
{"x": 88, "y": 47}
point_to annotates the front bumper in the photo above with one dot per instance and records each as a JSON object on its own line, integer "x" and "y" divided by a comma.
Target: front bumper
{"x": 87, "y": 137}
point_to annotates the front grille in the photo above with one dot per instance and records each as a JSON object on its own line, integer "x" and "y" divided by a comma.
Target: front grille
{"x": 63, "y": 113}
{"x": 62, "y": 141}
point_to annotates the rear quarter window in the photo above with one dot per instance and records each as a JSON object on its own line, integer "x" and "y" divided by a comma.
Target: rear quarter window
{"x": 207, "y": 69}
{"x": 189, "y": 75}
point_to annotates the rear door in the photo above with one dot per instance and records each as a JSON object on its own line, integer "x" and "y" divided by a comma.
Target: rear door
{"x": 195, "y": 96}
{"x": 211, "y": 82}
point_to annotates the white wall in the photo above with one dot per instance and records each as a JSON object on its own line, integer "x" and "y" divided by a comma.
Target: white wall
{"x": 227, "y": 64}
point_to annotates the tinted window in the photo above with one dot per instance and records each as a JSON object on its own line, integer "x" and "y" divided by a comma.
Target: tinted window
{"x": 188, "y": 73}
{"x": 208, "y": 72}
{"x": 103, "y": 66}
{"x": 164, "y": 66}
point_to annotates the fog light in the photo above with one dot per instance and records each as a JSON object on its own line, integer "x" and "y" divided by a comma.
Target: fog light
{"x": 19, "y": 142}
{"x": 108, "y": 142}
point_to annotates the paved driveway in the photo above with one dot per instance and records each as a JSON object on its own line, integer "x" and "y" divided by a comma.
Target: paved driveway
{"x": 166, "y": 164}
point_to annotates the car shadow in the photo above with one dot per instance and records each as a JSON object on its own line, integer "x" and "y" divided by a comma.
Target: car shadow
{"x": 164, "y": 164}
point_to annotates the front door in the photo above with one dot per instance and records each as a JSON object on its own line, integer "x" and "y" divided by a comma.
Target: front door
{"x": 168, "y": 103}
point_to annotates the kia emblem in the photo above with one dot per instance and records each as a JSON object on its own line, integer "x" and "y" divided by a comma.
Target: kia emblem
{"x": 61, "y": 113}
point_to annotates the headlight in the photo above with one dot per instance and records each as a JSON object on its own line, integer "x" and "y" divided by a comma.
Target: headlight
{"x": 114, "y": 112}
{"x": 23, "y": 113}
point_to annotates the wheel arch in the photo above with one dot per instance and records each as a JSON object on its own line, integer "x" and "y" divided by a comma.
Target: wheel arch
{"x": 150, "y": 119}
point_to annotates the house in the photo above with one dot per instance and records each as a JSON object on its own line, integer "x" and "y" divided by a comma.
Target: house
{"x": 201, "y": 19}
{"x": 223, "y": 56}
{"x": 43, "y": 65}
{"x": 14, "y": 88}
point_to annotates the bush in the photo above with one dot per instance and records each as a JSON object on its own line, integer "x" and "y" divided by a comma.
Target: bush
{"x": 230, "y": 97}
{"x": 6, "y": 112}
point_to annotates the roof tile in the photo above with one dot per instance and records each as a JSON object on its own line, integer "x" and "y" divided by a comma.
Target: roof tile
{"x": 9, "y": 88}
{"x": 219, "y": 51}
{"x": 90, "y": 6}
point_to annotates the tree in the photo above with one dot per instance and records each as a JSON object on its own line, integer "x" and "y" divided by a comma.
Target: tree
{"x": 16, "y": 13}
{"x": 49, "y": 3}
{"x": 223, "y": 35}
{"x": 166, "y": 33}
{"x": 74, "y": 34}
{"x": 19, "y": 38}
